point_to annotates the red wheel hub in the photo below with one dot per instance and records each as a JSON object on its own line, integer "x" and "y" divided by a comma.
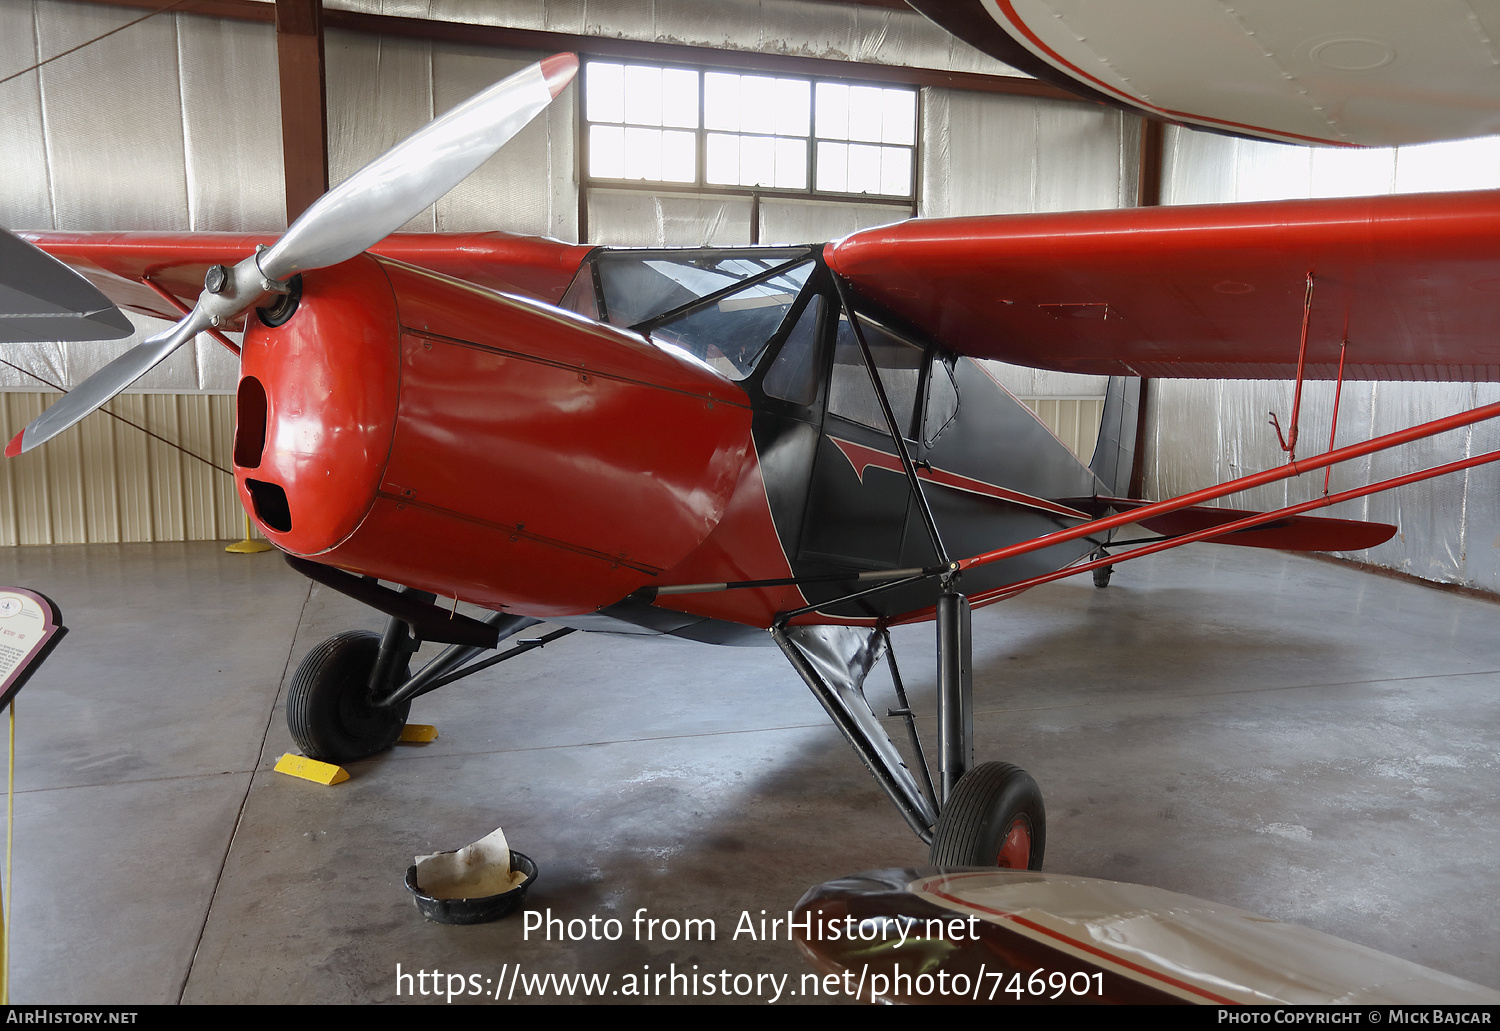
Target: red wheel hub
{"x": 1015, "y": 850}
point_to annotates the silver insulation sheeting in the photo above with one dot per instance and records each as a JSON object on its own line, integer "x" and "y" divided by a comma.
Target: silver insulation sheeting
{"x": 185, "y": 133}
{"x": 796, "y": 27}
{"x": 983, "y": 155}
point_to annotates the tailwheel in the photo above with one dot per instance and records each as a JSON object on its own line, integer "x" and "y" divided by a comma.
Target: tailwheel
{"x": 994, "y": 817}
{"x": 328, "y": 707}
{"x": 1103, "y": 573}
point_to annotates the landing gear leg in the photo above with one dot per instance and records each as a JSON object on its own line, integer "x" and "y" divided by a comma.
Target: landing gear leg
{"x": 991, "y": 814}
{"x": 955, "y": 655}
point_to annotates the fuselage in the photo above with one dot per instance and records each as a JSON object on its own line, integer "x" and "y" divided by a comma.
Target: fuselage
{"x": 683, "y": 417}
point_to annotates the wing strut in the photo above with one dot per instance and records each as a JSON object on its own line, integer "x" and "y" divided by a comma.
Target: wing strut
{"x": 1248, "y": 522}
{"x": 897, "y": 437}
{"x": 1292, "y": 468}
{"x": 1338, "y": 392}
{"x": 1289, "y": 442}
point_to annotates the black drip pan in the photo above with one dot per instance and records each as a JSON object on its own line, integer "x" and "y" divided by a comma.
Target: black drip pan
{"x": 474, "y": 911}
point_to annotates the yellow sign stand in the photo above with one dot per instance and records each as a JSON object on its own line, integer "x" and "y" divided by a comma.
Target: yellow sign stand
{"x": 248, "y": 546}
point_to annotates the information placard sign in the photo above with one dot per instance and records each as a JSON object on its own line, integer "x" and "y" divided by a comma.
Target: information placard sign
{"x": 30, "y": 627}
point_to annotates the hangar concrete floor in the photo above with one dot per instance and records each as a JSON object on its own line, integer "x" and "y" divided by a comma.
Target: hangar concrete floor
{"x": 1281, "y": 734}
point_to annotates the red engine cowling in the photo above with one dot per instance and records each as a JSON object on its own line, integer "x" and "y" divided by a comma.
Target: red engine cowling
{"x": 416, "y": 428}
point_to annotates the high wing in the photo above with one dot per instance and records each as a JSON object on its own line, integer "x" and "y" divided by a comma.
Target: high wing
{"x": 135, "y": 269}
{"x": 1411, "y": 282}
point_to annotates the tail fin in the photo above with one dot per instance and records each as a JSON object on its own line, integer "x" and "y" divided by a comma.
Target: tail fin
{"x": 1114, "y": 454}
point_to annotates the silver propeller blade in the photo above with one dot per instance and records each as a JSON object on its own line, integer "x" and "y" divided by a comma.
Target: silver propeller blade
{"x": 352, "y": 217}
{"x": 397, "y": 186}
{"x": 94, "y": 392}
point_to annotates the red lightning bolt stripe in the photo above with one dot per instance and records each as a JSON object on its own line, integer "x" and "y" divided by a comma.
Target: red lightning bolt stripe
{"x": 862, "y": 458}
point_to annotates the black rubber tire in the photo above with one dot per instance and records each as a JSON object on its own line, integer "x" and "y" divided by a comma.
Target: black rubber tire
{"x": 1102, "y": 575}
{"x": 986, "y": 803}
{"x": 328, "y": 706}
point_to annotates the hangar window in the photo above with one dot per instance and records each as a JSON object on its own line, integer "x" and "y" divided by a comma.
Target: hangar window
{"x": 719, "y": 130}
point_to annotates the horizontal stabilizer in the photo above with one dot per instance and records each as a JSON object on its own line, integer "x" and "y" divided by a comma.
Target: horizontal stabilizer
{"x": 1294, "y": 533}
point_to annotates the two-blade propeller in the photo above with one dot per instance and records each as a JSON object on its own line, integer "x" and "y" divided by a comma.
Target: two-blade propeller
{"x": 352, "y": 217}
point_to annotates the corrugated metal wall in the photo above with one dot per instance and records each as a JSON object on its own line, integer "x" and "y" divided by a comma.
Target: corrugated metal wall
{"x": 109, "y": 481}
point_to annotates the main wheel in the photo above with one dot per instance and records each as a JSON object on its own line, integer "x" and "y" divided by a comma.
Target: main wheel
{"x": 994, "y": 817}
{"x": 328, "y": 707}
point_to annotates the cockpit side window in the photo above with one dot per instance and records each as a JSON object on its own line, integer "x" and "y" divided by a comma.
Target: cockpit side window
{"x": 794, "y": 374}
{"x": 942, "y": 401}
{"x": 851, "y": 394}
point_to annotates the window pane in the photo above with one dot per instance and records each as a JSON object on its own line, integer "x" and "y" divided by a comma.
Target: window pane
{"x": 794, "y": 374}
{"x": 607, "y": 151}
{"x": 792, "y": 107}
{"x": 864, "y": 168}
{"x": 895, "y": 170}
{"x": 942, "y": 401}
{"x": 731, "y": 334}
{"x": 605, "y": 101}
{"x": 642, "y": 95}
{"x": 833, "y": 167}
{"x": 723, "y": 159}
{"x": 637, "y": 289}
{"x": 899, "y": 121}
{"x": 866, "y": 108}
{"x": 581, "y": 296}
{"x": 757, "y": 161}
{"x": 791, "y": 164}
{"x": 899, "y": 363}
{"x": 833, "y": 111}
{"x": 642, "y": 153}
{"x": 679, "y": 163}
{"x": 721, "y": 101}
{"x": 757, "y": 104}
{"x": 679, "y": 101}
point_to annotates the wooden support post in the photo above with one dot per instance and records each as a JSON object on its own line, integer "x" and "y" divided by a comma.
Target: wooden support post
{"x": 304, "y": 117}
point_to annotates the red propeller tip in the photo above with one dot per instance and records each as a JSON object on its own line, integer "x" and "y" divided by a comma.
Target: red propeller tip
{"x": 14, "y": 447}
{"x": 559, "y": 70}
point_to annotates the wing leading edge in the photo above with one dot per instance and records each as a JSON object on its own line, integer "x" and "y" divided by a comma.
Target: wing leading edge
{"x": 122, "y": 265}
{"x": 1411, "y": 282}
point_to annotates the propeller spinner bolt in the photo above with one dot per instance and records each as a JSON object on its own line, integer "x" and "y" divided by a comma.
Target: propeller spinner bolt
{"x": 216, "y": 279}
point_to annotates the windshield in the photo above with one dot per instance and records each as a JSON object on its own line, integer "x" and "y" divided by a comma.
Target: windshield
{"x": 636, "y": 285}
{"x": 732, "y": 333}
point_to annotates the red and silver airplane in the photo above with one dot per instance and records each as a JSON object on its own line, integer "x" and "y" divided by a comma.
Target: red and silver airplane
{"x": 742, "y": 444}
